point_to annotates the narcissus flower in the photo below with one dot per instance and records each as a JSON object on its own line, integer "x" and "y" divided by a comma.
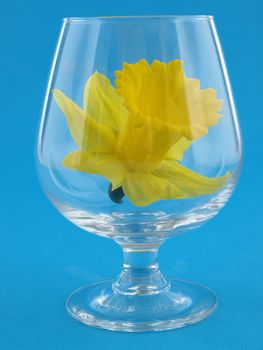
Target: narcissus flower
{"x": 135, "y": 135}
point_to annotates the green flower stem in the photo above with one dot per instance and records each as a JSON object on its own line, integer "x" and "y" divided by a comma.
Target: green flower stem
{"x": 116, "y": 195}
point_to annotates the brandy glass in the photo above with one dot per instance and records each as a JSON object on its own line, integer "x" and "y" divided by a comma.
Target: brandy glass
{"x": 139, "y": 140}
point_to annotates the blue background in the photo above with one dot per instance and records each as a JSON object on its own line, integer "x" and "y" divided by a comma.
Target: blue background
{"x": 43, "y": 257}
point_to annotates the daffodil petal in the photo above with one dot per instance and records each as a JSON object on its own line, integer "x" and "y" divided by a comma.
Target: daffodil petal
{"x": 98, "y": 138}
{"x": 177, "y": 151}
{"x": 85, "y": 131}
{"x": 144, "y": 189}
{"x": 74, "y": 115}
{"x": 105, "y": 165}
{"x": 170, "y": 181}
{"x": 102, "y": 102}
{"x": 189, "y": 182}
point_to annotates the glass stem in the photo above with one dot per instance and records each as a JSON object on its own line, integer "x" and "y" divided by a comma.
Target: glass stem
{"x": 141, "y": 273}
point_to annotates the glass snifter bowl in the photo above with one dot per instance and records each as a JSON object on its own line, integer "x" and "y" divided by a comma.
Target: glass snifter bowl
{"x": 138, "y": 141}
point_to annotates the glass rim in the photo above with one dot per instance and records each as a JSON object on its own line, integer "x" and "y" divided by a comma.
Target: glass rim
{"x": 185, "y": 18}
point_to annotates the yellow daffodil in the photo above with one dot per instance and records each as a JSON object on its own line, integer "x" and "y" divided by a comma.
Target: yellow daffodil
{"x": 135, "y": 135}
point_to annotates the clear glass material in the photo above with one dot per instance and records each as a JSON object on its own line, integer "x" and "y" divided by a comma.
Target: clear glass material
{"x": 138, "y": 141}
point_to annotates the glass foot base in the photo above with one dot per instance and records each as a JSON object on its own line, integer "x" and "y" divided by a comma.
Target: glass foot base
{"x": 184, "y": 303}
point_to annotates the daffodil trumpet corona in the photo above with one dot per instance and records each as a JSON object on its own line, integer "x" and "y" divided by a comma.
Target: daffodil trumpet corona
{"x": 135, "y": 134}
